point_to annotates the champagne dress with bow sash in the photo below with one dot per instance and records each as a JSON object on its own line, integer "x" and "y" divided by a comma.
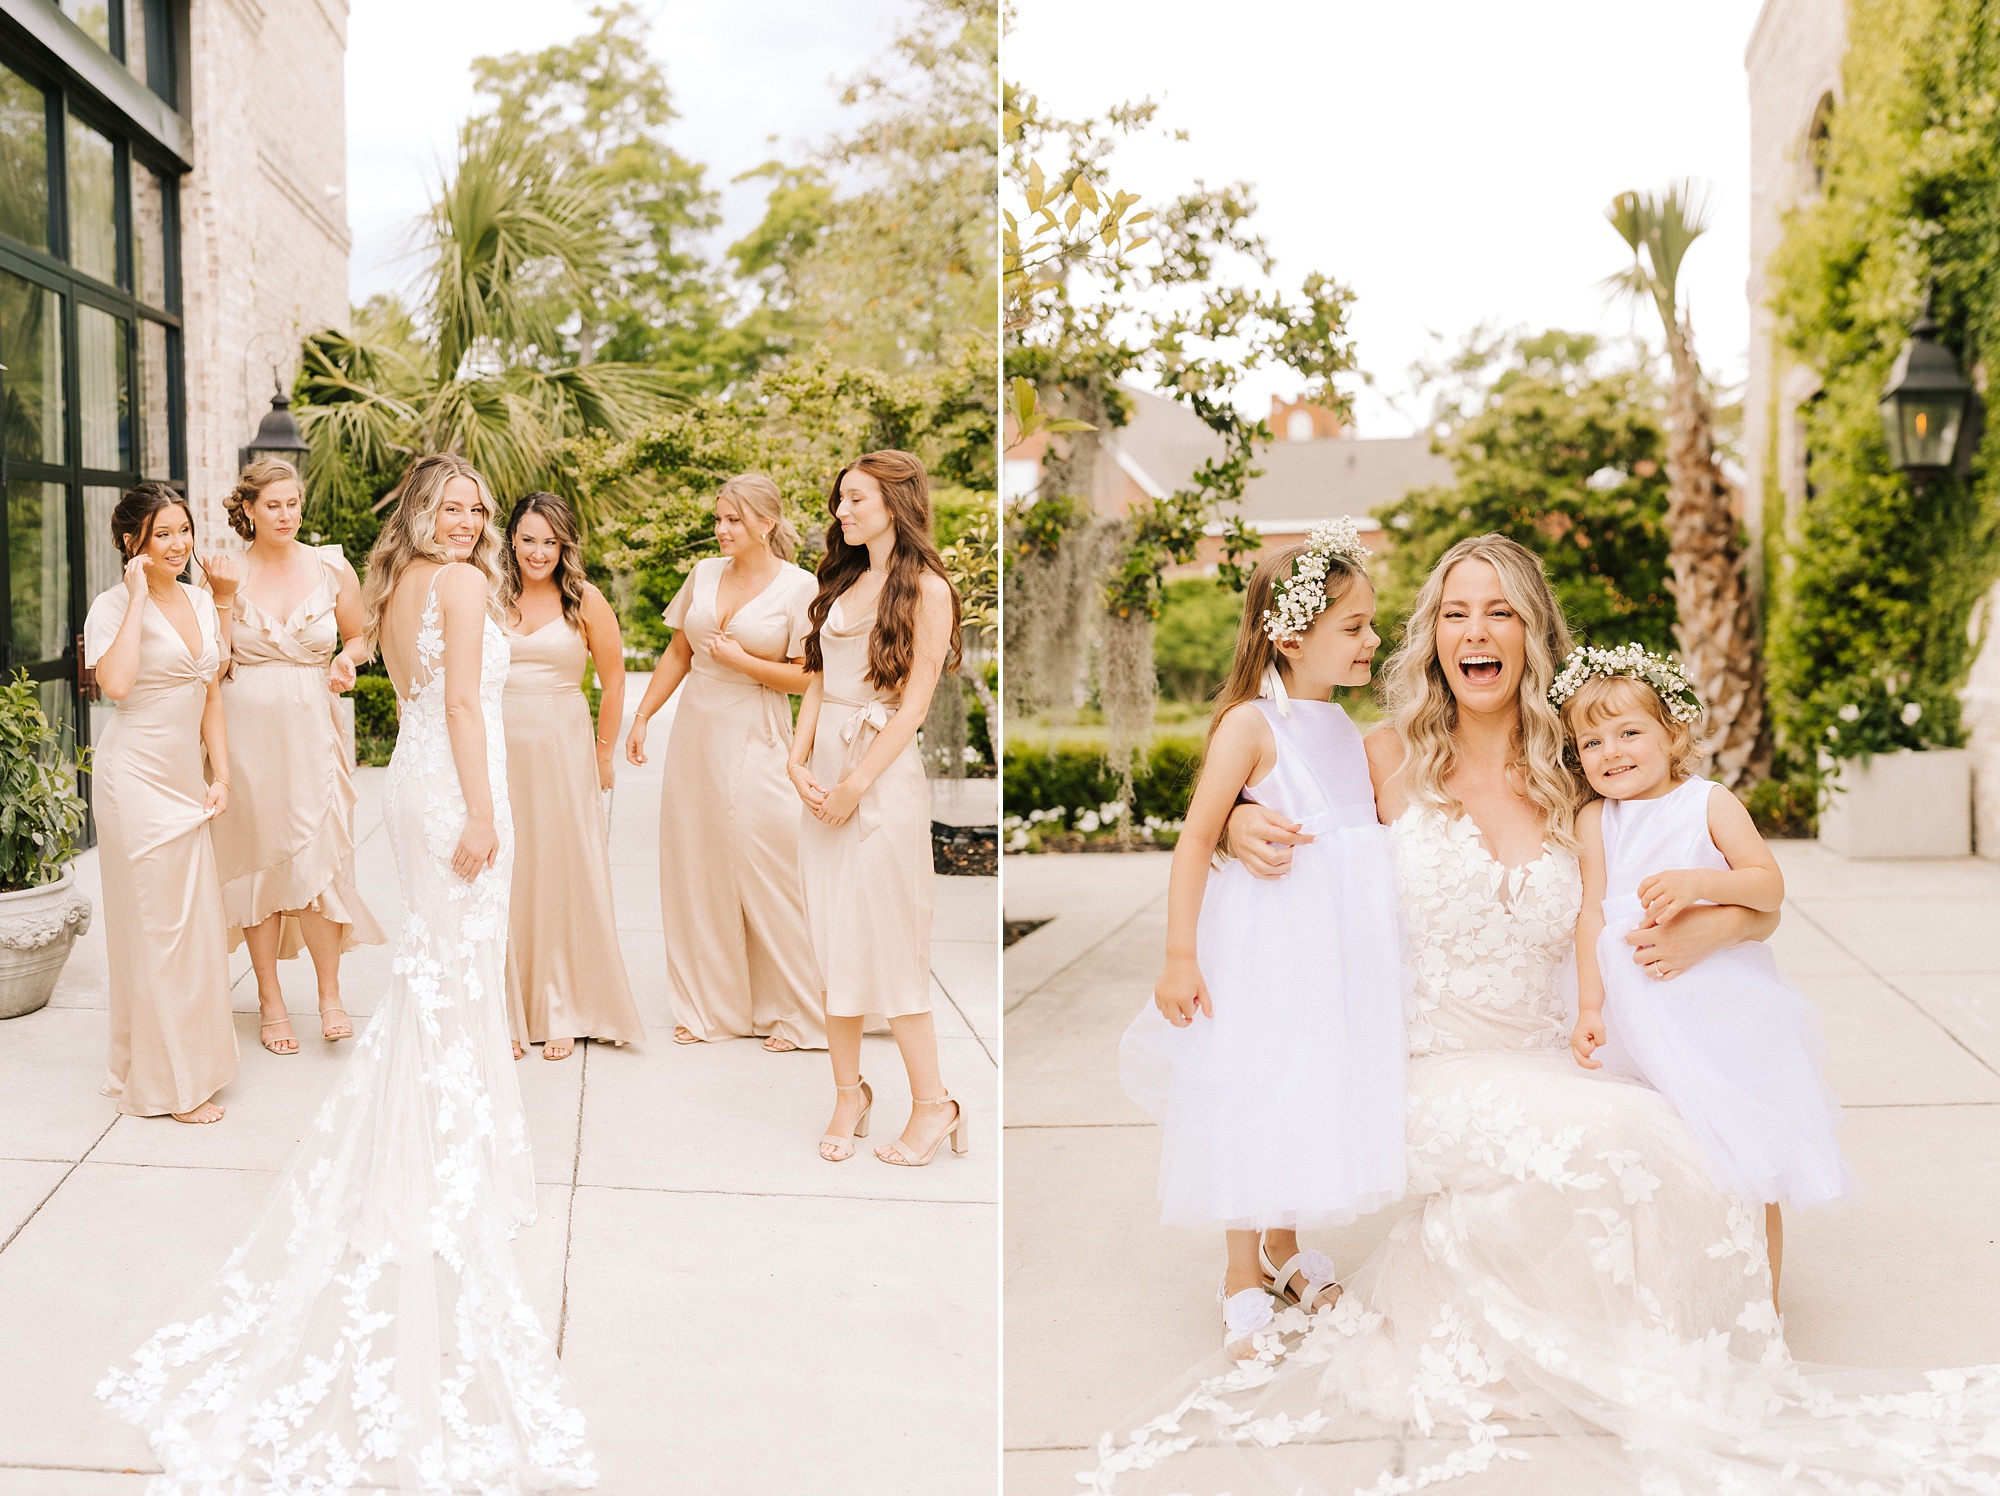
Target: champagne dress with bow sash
{"x": 565, "y": 974}
{"x": 739, "y": 960}
{"x": 173, "y": 1043}
{"x": 287, "y": 843}
{"x": 867, "y": 880}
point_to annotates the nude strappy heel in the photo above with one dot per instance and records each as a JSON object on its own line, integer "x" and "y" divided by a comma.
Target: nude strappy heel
{"x": 960, "y": 1141}
{"x": 846, "y": 1144}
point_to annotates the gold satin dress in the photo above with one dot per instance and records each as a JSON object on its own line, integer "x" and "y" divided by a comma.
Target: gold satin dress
{"x": 173, "y": 1042}
{"x": 739, "y": 960}
{"x": 565, "y": 974}
{"x": 868, "y": 881}
{"x": 287, "y": 842}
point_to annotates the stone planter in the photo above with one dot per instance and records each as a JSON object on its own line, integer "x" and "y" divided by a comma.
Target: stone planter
{"x": 37, "y": 928}
{"x": 1902, "y": 804}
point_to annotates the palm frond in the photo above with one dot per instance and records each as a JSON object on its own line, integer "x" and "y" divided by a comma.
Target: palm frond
{"x": 518, "y": 240}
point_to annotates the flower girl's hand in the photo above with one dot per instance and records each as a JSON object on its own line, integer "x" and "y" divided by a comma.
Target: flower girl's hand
{"x": 1180, "y": 993}
{"x": 1667, "y": 894}
{"x": 1588, "y": 1036}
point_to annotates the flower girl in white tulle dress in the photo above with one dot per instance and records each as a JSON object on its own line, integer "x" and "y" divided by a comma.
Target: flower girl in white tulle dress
{"x": 1275, "y": 1052}
{"x": 1729, "y": 1042}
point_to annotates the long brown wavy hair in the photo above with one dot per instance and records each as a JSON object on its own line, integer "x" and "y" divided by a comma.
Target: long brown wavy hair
{"x": 906, "y": 491}
{"x": 568, "y": 575}
{"x": 1425, "y": 713}
{"x": 1255, "y": 653}
{"x": 409, "y": 531}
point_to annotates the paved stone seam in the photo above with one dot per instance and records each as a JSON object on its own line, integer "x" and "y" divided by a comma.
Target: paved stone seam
{"x": 1116, "y": 929}
{"x": 1921, "y": 1010}
{"x": 4, "y": 1245}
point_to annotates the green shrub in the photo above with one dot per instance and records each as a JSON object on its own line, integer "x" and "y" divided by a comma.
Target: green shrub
{"x": 1195, "y": 637}
{"x": 1873, "y": 580}
{"x": 41, "y": 814}
{"x": 1076, "y": 777}
{"x": 375, "y": 719}
{"x": 1783, "y": 807}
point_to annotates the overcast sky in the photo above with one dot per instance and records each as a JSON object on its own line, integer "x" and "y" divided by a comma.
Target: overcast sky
{"x": 1449, "y": 160}
{"x": 739, "y": 73}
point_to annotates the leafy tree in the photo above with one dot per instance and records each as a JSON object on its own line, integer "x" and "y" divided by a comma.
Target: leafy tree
{"x": 1558, "y": 448}
{"x": 1717, "y": 619}
{"x": 899, "y": 272}
{"x": 601, "y": 104}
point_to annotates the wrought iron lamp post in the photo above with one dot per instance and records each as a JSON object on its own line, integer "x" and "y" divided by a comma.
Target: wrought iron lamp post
{"x": 278, "y": 434}
{"x": 1927, "y": 406}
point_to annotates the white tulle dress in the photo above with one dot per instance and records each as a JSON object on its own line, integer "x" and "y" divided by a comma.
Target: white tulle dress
{"x": 1730, "y": 1043}
{"x": 372, "y": 1333}
{"x": 1571, "y": 1291}
{"x": 1286, "y": 1108}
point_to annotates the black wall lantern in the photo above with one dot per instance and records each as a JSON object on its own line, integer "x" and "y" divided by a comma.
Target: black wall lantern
{"x": 278, "y": 434}
{"x": 1927, "y": 404}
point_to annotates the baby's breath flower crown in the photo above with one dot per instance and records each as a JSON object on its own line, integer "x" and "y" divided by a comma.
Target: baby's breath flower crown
{"x": 1635, "y": 661}
{"x": 1299, "y": 599}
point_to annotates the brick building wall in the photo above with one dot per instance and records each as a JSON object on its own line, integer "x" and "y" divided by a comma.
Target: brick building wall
{"x": 264, "y": 236}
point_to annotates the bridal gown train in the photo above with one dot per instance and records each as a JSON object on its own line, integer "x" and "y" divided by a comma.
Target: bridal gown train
{"x": 1571, "y": 1277}
{"x": 372, "y": 1333}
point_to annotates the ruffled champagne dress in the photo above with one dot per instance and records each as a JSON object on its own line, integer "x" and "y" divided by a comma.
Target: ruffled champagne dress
{"x": 565, "y": 974}
{"x": 868, "y": 880}
{"x": 173, "y": 1043}
{"x": 287, "y": 843}
{"x": 1570, "y": 1286}
{"x": 739, "y": 959}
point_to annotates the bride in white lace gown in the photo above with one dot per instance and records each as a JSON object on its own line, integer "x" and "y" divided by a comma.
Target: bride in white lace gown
{"x": 1571, "y": 1270}
{"x": 372, "y": 1333}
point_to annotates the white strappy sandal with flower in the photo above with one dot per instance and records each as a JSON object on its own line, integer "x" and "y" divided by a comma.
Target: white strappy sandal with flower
{"x": 1245, "y": 1316}
{"x": 1308, "y": 1263}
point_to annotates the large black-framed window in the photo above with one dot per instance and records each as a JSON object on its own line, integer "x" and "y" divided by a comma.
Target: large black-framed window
{"x": 91, "y": 376}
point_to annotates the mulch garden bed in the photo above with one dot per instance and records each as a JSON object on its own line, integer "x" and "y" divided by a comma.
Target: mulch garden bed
{"x": 965, "y": 851}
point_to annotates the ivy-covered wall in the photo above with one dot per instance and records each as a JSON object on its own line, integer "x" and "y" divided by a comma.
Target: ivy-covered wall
{"x": 1872, "y": 584}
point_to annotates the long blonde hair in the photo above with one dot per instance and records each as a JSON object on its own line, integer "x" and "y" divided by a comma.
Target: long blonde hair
{"x": 759, "y": 495}
{"x": 410, "y": 533}
{"x": 1255, "y": 653}
{"x": 1425, "y": 713}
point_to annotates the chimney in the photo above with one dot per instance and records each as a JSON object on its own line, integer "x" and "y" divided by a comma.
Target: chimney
{"x": 1301, "y": 421}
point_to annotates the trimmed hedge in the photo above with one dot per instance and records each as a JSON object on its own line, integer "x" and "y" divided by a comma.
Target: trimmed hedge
{"x": 375, "y": 719}
{"x": 1077, "y": 776}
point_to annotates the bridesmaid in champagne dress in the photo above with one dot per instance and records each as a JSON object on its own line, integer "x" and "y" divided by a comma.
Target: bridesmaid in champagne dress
{"x": 286, "y": 852}
{"x": 739, "y": 960}
{"x": 155, "y": 645}
{"x": 884, "y": 627}
{"x": 565, "y": 974}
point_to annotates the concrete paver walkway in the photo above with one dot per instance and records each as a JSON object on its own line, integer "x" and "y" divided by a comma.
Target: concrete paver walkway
{"x": 734, "y": 1314}
{"x": 1105, "y": 1307}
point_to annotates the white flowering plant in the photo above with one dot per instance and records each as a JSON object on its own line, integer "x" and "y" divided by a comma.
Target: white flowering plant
{"x": 1058, "y": 828}
{"x": 1298, "y": 600}
{"x": 1880, "y": 713}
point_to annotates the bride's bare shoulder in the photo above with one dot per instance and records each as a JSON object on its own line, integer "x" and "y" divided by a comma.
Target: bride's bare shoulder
{"x": 1386, "y": 751}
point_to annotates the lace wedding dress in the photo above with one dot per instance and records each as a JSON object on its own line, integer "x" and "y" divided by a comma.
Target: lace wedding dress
{"x": 1570, "y": 1276}
{"x": 372, "y": 1333}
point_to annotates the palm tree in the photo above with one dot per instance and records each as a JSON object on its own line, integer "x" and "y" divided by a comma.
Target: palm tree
{"x": 515, "y": 243}
{"x": 1716, "y": 622}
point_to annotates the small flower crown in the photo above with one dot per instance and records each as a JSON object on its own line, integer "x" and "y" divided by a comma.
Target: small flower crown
{"x": 1636, "y": 662}
{"x": 1298, "y": 600}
